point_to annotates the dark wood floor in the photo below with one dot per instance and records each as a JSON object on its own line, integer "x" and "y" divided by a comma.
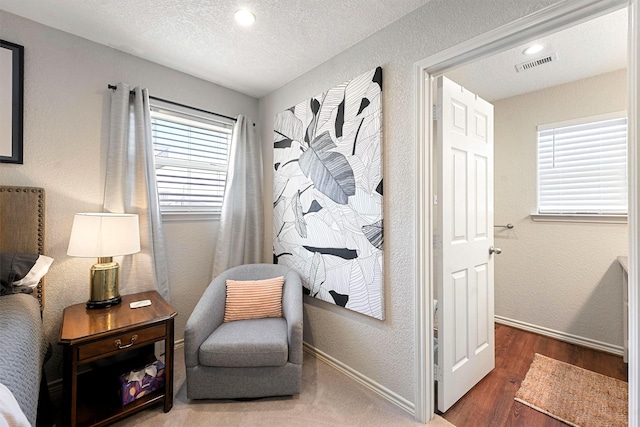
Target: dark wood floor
{"x": 490, "y": 403}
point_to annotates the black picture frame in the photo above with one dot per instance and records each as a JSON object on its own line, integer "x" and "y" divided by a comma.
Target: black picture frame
{"x": 11, "y": 110}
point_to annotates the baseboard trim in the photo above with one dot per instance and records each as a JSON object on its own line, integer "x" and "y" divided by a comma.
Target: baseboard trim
{"x": 372, "y": 385}
{"x": 55, "y": 386}
{"x": 562, "y": 336}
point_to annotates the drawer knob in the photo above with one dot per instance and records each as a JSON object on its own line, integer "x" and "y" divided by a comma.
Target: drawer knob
{"x": 118, "y": 343}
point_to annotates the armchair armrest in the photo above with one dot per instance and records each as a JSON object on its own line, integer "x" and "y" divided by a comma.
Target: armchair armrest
{"x": 292, "y": 312}
{"x": 205, "y": 318}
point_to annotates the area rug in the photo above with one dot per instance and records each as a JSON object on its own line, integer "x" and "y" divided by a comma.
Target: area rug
{"x": 574, "y": 395}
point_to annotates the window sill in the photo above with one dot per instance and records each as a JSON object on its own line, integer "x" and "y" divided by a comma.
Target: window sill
{"x": 603, "y": 219}
{"x": 189, "y": 216}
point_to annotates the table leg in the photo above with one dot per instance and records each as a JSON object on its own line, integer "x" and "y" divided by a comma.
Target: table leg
{"x": 69, "y": 387}
{"x": 168, "y": 367}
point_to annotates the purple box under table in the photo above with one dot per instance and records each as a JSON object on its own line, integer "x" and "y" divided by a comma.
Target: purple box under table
{"x": 140, "y": 382}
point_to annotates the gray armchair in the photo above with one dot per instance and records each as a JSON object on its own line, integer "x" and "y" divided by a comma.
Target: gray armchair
{"x": 245, "y": 358}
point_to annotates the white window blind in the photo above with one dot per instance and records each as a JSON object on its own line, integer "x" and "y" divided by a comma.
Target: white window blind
{"x": 582, "y": 166}
{"x": 191, "y": 156}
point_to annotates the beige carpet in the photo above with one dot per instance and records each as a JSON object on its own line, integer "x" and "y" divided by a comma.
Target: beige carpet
{"x": 574, "y": 395}
{"x": 328, "y": 398}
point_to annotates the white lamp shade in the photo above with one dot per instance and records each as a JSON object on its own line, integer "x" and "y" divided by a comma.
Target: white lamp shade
{"x": 96, "y": 235}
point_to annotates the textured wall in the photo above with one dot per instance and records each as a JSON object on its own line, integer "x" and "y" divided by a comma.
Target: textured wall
{"x": 566, "y": 272}
{"x": 65, "y": 133}
{"x": 384, "y": 350}
{"x": 65, "y": 142}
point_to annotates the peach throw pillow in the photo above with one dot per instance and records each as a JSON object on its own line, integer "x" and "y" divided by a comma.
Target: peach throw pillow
{"x": 253, "y": 299}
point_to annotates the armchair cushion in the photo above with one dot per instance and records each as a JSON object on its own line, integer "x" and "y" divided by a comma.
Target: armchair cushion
{"x": 253, "y": 299}
{"x": 247, "y": 343}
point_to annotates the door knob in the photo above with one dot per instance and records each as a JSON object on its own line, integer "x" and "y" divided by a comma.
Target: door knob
{"x": 493, "y": 250}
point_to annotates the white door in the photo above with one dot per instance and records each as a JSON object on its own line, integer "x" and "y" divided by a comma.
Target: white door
{"x": 464, "y": 239}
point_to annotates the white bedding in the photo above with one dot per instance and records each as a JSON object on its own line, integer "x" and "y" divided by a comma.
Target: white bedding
{"x": 10, "y": 413}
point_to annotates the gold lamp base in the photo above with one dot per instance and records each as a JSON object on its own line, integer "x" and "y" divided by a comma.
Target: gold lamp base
{"x": 104, "y": 284}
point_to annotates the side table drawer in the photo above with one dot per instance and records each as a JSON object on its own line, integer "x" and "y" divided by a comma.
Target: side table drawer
{"x": 121, "y": 342}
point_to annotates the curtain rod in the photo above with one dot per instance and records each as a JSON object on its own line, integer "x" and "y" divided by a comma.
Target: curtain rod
{"x": 113, "y": 87}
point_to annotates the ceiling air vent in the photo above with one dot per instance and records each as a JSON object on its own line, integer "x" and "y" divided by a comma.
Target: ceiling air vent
{"x": 536, "y": 62}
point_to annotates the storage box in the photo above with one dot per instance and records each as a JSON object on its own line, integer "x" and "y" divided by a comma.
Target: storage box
{"x": 140, "y": 382}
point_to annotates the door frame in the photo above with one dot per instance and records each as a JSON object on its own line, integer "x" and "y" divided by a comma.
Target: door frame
{"x": 545, "y": 21}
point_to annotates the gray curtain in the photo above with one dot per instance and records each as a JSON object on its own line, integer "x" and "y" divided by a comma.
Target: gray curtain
{"x": 241, "y": 232}
{"x": 131, "y": 187}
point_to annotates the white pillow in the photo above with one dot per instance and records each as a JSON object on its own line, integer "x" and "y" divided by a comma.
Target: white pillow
{"x": 10, "y": 412}
{"x": 39, "y": 269}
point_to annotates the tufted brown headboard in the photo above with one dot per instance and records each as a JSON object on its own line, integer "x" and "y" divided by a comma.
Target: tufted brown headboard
{"x": 22, "y": 224}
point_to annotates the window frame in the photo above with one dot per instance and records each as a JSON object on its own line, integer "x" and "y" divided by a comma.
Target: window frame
{"x": 590, "y": 217}
{"x": 187, "y": 115}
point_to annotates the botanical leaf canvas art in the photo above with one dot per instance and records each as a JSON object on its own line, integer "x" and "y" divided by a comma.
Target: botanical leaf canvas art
{"x": 327, "y": 195}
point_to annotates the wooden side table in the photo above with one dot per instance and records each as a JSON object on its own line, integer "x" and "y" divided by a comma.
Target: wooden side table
{"x": 101, "y": 344}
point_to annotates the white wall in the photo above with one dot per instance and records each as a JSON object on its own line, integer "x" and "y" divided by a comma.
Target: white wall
{"x": 562, "y": 276}
{"x": 66, "y": 111}
{"x": 384, "y": 350}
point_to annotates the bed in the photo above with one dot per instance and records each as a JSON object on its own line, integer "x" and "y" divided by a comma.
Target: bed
{"x": 22, "y": 344}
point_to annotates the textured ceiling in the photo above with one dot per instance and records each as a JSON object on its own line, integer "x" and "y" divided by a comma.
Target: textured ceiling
{"x": 200, "y": 37}
{"x": 291, "y": 37}
{"x": 594, "y": 47}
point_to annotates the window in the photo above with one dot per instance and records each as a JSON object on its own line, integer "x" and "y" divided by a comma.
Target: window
{"x": 191, "y": 155}
{"x": 582, "y": 166}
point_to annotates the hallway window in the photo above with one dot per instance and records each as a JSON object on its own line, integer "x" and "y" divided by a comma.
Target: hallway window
{"x": 582, "y": 166}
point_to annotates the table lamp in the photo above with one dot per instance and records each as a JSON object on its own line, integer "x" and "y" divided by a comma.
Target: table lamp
{"x": 103, "y": 236}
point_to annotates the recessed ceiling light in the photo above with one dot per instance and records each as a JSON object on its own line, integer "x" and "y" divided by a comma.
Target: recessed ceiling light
{"x": 533, "y": 49}
{"x": 245, "y": 18}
